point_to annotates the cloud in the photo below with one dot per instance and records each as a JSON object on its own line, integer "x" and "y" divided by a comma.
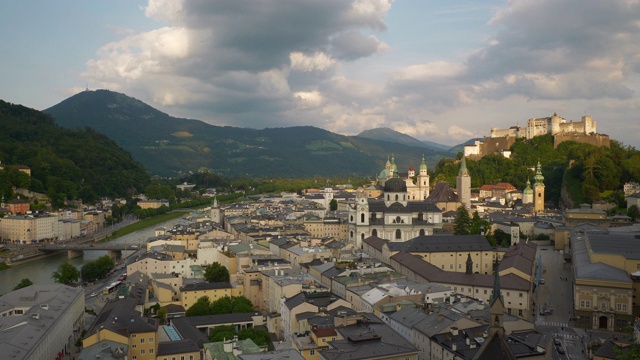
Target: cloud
{"x": 292, "y": 62}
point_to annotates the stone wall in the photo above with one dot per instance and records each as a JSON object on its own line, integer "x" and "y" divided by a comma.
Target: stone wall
{"x": 593, "y": 139}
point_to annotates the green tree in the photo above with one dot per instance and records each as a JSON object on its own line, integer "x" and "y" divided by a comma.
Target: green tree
{"x": 333, "y": 205}
{"x": 66, "y": 273}
{"x": 462, "y": 222}
{"x": 105, "y": 264}
{"x": 162, "y": 314}
{"x": 241, "y": 304}
{"x": 258, "y": 336}
{"x": 216, "y": 273}
{"x": 502, "y": 238}
{"x": 221, "y": 333}
{"x": 221, "y": 306}
{"x": 200, "y": 308}
{"x": 23, "y": 283}
{"x": 90, "y": 272}
{"x": 633, "y": 212}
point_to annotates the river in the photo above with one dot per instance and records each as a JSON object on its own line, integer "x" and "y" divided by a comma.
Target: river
{"x": 39, "y": 271}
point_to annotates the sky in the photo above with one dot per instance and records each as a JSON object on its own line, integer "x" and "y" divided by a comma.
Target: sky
{"x": 444, "y": 71}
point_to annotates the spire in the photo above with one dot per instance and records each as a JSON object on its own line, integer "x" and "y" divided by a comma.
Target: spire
{"x": 496, "y": 286}
{"x": 215, "y": 201}
{"x": 463, "y": 168}
{"x": 539, "y": 179}
{"x": 469, "y": 269}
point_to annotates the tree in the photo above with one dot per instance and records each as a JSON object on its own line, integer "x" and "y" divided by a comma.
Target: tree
{"x": 221, "y": 333}
{"x": 162, "y": 314}
{"x": 258, "y": 336}
{"x": 216, "y": 273}
{"x": 633, "y": 212}
{"x": 333, "y": 205}
{"x": 200, "y": 308}
{"x": 105, "y": 264}
{"x": 66, "y": 273}
{"x": 23, "y": 283}
{"x": 222, "y": 306}
{"x": 462, "y": 221}
{"x": 241, "y": 304}
{"x": 89, "y": 271}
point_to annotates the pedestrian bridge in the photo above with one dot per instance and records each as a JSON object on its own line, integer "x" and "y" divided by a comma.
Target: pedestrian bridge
{"x": 76, "y": 250}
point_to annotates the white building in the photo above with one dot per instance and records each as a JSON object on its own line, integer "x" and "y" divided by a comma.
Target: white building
{"x": 26, "y": 229}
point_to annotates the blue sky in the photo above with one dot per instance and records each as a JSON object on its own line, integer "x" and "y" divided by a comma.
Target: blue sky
{"x": 442, "y": 71}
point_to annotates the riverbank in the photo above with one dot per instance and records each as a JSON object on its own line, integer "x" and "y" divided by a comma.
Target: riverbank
{"x": 143, "y": 224}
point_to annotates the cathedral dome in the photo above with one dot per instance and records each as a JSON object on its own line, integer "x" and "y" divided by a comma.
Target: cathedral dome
{"x": 395, "y": 185}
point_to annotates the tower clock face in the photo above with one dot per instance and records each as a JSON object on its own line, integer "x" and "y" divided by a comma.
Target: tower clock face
{"x": 361, "y": 209}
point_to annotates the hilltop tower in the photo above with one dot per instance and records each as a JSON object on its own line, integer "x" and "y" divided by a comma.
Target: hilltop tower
{"x": 538, "y": 190}
{"x": 463, "y": 185}
{"x": 423, "y": 179}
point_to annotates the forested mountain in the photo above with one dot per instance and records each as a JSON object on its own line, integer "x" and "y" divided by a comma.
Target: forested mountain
{"x": 65, "y": 164}
{"x": 574, "y": 173}
{"x": 386, "y": 134}
{"x": 169, "y": 146}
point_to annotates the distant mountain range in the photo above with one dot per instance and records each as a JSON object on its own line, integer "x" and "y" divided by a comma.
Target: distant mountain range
{"x": 169, "y": 146}
{"x": 386, "y": 134}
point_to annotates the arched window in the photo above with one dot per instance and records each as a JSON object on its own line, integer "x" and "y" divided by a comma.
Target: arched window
{"x": 388, "y": 198}
{"x": 361, "y": 217}
{"x": 362, "y": 236}
{"x": 398, "y": 220}
{"x": 351, "y": 234}
{"x": 398, "y": 234}
{"x": 404, "y": 197}
{"x": 420, "y": 216}
{"x": 422, "y": 232}
{"x": 396, "y": 197}
{"x": 351, "y": 218}
{"x": 374, "y": 232}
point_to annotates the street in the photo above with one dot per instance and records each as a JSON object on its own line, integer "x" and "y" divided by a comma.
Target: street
{"x": 557, "y": 293}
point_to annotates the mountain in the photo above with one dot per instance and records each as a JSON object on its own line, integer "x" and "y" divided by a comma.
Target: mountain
{"x": 169, "y": 146}
{"x": 65, "y": 164}
{"x": 386, "y": 134}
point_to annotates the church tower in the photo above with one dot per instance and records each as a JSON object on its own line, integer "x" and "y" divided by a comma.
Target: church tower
{"x": 496, "y": 304}
{"x": 463, "y": 185}
{"x": 423, "y": 180}
{"x": 359, "y": 219}
{"x": 527, "y": 194}
{"x": 538, "y": 190}
{"x": 216, "y": 212}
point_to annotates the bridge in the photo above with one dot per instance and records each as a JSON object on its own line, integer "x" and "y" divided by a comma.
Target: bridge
{"x": 76, "y": 249}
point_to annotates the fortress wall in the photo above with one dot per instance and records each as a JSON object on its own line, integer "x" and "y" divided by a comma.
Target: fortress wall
{"x": 593, "y": 139}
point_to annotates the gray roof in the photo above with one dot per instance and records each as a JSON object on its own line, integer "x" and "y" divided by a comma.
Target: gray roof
{"x": 120, "y": 316}
{"x": 289, "y": 354}
{"x": 177, "y": 347}
{"x": 370, "y": 338}
{"x": 104, "y": 350}
{"x": 188, "y": 331}
{"x": 205, "y": 286}
{"x": 585, "y": 269}
{"x": 408, "y": 316}
{"x": 627, "y": 245}
{"x": 437, "y": 321}
{"x": 442, "y": 243}
{"x": 22, "y": 334}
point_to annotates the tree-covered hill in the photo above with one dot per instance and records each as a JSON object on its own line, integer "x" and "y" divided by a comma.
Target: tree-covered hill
{"x": 574, "y": 172}
{"x": 65, "y": 164}
{"x": 169, "y": 146}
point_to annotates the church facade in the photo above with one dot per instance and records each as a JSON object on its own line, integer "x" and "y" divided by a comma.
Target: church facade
{"x": 395, "y": 217}
{"x": 417, "y": 184}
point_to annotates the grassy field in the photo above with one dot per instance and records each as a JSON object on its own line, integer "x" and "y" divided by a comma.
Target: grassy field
{"x": 142, "y": 224}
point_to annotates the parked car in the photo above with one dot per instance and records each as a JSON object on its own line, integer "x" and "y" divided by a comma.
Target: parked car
{"x": 557, "y": 342}
{"x": 560, "y": 349}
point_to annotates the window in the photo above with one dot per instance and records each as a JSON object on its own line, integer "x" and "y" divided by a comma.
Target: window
{"x": 150, "y": 340}
{"x": 324, "y": 340}
{"x": 312, "y": 352}
{"x": 150, "y": 351}
{"x": 142, "y": 341}
{"x": 519, "y": 294}
{"x": 133, "y": 336}
{"x": 134, "y": 357}
{"x": 19, "y": 312}
{"x": 450, "y": 266}
{"x": 134, "y": 346}
{"x": 585, "y": 304}
{"x": 142, "y": 352}
{"x": 485, "y": 291}
{"x": 621, "y": 307}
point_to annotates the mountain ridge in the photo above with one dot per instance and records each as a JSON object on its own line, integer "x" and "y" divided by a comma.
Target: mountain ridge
{"x": 170, "y": 146}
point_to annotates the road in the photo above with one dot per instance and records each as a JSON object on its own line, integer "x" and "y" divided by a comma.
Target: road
{"x": 557, "y": 293}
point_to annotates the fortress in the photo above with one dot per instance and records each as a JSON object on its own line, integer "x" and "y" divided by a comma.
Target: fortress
{"x": 501, "y": 140}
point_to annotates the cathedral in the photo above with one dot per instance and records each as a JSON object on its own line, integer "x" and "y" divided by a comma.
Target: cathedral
{"x": 416, "y": 191}
{"x": 395, "y": 217}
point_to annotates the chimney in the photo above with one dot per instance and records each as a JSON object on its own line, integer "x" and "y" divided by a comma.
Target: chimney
{"x": 454, "y": 347}
{"x": 468, "y": 341}
{"x": 454, "y": 331}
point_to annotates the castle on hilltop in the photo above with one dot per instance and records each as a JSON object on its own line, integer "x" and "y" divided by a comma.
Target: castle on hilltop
{"x": 501, "y": 140}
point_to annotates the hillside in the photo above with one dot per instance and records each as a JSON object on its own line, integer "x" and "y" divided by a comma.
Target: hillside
{"x": 65, "y": 164}
{"x": 574, "y": 173}
{"x": 169, "y": 146}
{"x": 386, "y": 134}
